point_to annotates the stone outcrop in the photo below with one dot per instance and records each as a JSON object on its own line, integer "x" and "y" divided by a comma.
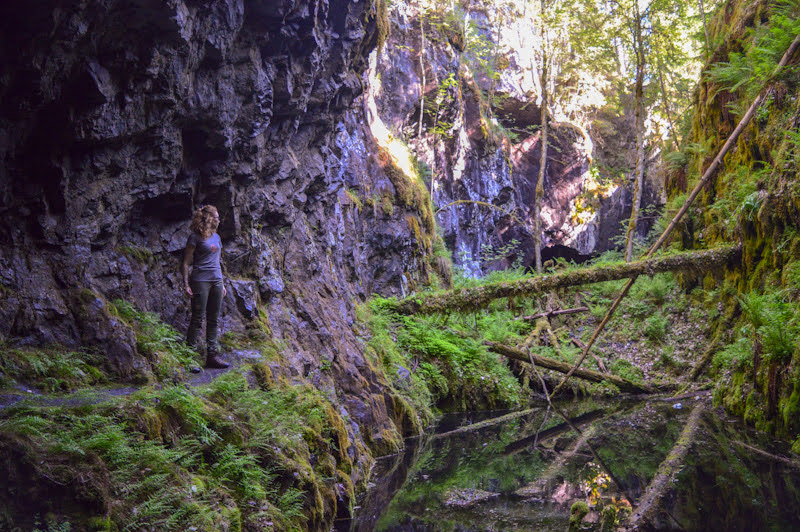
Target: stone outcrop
{"x": 480, "y": 139}
{"x": 117, "y": 119}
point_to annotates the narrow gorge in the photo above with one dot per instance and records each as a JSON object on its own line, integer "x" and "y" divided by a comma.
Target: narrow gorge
{"x": 375, "y": 167}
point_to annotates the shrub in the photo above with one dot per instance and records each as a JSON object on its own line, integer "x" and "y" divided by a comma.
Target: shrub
{"x": 655, "y": 328}
{"x": 626, "y": 370}
{"x": 738, "y": 355}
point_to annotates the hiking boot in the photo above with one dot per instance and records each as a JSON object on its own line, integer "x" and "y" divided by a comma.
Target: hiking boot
{"x": 214, "y": 362}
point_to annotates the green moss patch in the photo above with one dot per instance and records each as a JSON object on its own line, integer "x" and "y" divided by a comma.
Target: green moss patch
{"x": 230, "y": 456}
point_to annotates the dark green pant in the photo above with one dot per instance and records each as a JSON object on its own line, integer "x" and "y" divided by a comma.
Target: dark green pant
{"x": 206, "y": 299}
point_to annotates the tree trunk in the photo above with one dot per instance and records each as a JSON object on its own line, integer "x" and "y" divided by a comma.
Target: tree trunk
{"x": 562, "y": 367}
{"x": 537, "y": 203}
{"x": 665, "y": 474}
{"x": 549, "y": 314}
{"x": 470, "y": 299}
{"x": 554, "y": 472}
{"x": 541, "y": 436}
{"x": 666, "y": 102}
{"x": 707, "y": 175}
{"x": 639, "y": 113}
{"x": 705, "y": 27}
{"x": 486, "y": 423}
{"x": 422, "y": 74}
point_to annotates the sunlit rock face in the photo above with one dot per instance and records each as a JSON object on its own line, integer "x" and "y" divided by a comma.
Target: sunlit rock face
{"x": 120, "y": 118}
{"x": 485, "y": 179}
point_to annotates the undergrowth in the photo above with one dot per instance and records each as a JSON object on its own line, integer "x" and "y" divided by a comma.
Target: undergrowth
{"x": 50, "y": 369}
{"x": 444, "y": 360}
{"x": 158, "y": 342}
{"x": 235, "y": 455}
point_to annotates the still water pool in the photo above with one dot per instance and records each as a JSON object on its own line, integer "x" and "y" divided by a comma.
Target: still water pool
{"x": 525, "y": 472}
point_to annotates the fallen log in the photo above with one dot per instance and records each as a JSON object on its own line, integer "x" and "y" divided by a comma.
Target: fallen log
{"x": 557, "y": 430}
{"x": 600, "y": 364}
{"x": 543, "y": 483}
{"x": 624, "y": 385}
{"x": 552, "y": 313}
{"x": 707, "y": 175}
{"x": 468, "y": 299}
{"x": 782, "y": 459}
{"x": 486, "y": 423}
{"x": 648, "y": 504}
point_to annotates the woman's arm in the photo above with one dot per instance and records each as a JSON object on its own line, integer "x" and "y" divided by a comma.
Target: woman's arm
{"x": 188, "y": 255}
{"x": 222, "y": 269}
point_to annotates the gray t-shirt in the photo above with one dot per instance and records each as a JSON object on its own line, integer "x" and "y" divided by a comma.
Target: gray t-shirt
{"x": 206, "y": 266}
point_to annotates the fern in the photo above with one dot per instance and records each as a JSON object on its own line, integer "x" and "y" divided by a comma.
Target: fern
{"x": 756, "y": 65}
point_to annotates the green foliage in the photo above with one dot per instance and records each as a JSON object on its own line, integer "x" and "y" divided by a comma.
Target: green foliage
{"x": 434, "y": 379}
{"x": 774, "y": 323}
{"x": 480, "y": 51}
{"x": 445, "y": 96}
{"x": 654, "y": 289}
{"x": 384, "y": 352}
{"x": 473, "y": 373}
{"x": 449, "y": 364}
{"x": 735, "y": 356}
{"x": 767, "y": 44}
{"x": 490, "y": 254}
{"x": 160, "y": 343}
{"x": 638, "y": 308}
{"x": 737, "y": 201}
{"x": 655, "y": 328}
{"x": 355, "y": 199}
{"x": 625, "y": 369}
{"x": 222, "y": 457}
{"x": 53, "y": 525}
{"x": 52, "y": 369}
{"x": 136, "y": 253}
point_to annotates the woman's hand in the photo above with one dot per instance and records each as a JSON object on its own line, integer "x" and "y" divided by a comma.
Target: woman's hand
{"x": 189, "y": 290}
{"x": 224, "y": 291}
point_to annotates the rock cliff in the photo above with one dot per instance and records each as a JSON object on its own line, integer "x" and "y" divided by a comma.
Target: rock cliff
{"x": 479, "y": 139}
{"x": 119, "y": 118}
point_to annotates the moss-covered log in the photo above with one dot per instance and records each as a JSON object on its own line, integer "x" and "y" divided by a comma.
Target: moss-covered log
{"x": 649, "y": 503}
{"x": 623, "y": 384}
{"x": 467, "y": 299}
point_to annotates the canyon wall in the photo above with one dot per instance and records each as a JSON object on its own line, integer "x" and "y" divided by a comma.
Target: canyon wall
{"x": 118, "y": 119}
{"x": 479, "y": 138}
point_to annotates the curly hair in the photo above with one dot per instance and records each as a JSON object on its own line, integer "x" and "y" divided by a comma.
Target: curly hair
{"x": 204, "y": 222}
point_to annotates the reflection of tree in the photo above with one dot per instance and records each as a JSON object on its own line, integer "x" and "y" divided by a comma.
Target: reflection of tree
{"x": 588, "y": 420}
{"x": 597, "y": 458}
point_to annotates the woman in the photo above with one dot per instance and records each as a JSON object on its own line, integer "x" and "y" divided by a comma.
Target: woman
{"x": 204, "y": 248}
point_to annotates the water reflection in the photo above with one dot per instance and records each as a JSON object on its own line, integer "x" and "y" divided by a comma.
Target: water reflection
{"x": 526, "y": 473}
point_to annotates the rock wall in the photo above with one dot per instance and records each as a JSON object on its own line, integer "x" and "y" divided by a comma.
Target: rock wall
{"x": 484, "y": 155}
{"x": 118, "y": 118}
{"x": 752, "y": 199}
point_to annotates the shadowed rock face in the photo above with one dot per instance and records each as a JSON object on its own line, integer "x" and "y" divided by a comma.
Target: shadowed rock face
{"x": 117, "y": 119}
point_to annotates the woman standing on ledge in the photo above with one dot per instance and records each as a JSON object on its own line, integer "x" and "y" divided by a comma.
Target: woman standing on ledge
{"x": 206, "y": 289}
